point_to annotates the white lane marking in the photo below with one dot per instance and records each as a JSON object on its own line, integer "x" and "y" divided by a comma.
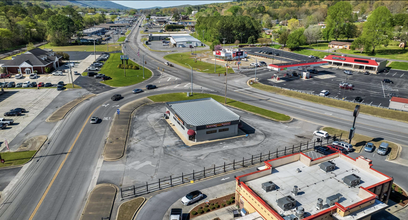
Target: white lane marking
{"x": 186, "y": 84}
{"x": 169, "y": 79}
{"x": 106, "y": 118}
{"x": 394, "y": 74}
{"x": 115, "y": 106}
{"x": 224, "y": 178}
{"x": 176, "y": 86}
{"x": 402, "y": 75}
{"x": 105, "y": 105}
{"x": 386, "y": 74}
{"x": 241, "y": 89}
{"x": 328, "y": 113}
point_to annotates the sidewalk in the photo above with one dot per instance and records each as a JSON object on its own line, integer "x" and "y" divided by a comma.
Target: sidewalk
{"x": 353, "y": 55}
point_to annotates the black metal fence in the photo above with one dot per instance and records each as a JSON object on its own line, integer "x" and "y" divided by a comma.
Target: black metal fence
{"x": 170, "y": 181}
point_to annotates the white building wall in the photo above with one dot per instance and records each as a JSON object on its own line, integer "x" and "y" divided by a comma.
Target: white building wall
{"x": 398, "y": 105}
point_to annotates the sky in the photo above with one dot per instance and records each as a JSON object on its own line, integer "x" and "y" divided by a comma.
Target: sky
{"x": 163, "y": 3}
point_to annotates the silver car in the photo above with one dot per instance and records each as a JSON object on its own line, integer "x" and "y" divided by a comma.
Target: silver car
{"x": 94, "y": 120}
{"x": 382, "y": 149}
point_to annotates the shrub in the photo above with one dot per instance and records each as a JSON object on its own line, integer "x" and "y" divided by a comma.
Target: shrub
{"x": 216, "y": 206}
{"x": 232, "y": 198}
{"x": 212, "y": 207}
{"x": 212, "y": 204}
{"x": 206, "y": 209}
{"x": 194, "y": 213}
{"x": 47, "y": 69}
{"x": 229, "y": 202}
{"x": 207, "y": 206}
{"x": 200, "y": 211}
{"x": 223, "y": 205}
{"x": 135, "y": 67}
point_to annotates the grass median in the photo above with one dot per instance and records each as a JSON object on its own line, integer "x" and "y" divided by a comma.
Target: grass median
{"x": 16, "y": 158}
{"x": 359, "y": 141}
{"x": 200, "y": 66}
{"x": 231, "y": 102}
{"x": 370, "y": 110}
{"x": 118, "y": 77}
{"x": 121, "y": 39}
{"x": 88, "y": 48}
{"x": 127, "y": 210}
{"x": 399, "y": 65}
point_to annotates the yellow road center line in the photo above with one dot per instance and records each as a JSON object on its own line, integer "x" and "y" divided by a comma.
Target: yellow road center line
{"x": 59, "y": 168}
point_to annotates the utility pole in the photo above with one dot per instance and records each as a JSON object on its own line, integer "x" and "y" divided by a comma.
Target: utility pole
{"x": 94, "y": 50}
{"x": 226, "y": 76}
{"x": 256, "y": 64}
{"x": 215, "y": 64}
{"x": 70, "y": 72}
{"x": 191, "y": 78}
{"x": 143, "y": 66}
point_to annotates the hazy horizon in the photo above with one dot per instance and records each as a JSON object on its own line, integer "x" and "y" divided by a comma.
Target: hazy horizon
{"x": 163, "y": 3}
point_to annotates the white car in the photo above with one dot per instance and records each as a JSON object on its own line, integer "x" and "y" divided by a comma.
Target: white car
{"x": 26, "y": 84}
{"x": 321, "y": 133}
{"x": 33, "y": 76}
{"x": 324, "y": 93}
{"x": 57, "y": 73}
{"x": 94, "y": 120}
{"x": 254, "y": 64}
{"x": 192, "y": 197}
{"x": 311, "y": 56}
{"x": 19, "y": 76}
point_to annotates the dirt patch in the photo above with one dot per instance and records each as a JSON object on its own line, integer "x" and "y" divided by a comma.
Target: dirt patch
{"x": 33, "y": 144}
{"x": 398, "y": 195}
{"x": 213, "y": 205}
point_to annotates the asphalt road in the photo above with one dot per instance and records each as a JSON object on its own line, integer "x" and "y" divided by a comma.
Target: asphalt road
{"x": 66, "y": 192}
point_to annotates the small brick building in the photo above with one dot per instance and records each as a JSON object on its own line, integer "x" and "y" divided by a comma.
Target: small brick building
{"x": 32, "y": 61}
{"x": 340, "y": 45}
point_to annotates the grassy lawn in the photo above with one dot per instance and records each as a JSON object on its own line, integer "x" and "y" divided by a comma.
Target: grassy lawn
{"x": 121, "y": 39}
{"x": 118, "y": 79}
{"x": 127, "y": 33}
{"x": 399, "y": 65}
{"x": 84, "y": 74}
{"x": 390, "y": 52}
{"x": 359, "y": 141}
{"x": 276, "y": 46}
{"x": 318, "y": 46}
{"x": 182, "y": 96}
{"x": 16, "y": 158}
{"x": 128, "y": 209}
{"x": 200, "y": 66}
{"x": 370, "y": 110}
{"x": 311, "y": 52}
{"x": 89, "y": 48}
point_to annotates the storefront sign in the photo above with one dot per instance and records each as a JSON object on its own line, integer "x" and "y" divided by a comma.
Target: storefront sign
{"x": 218, "y": 52}
{"x": 239, "y": 53}
{"x": 218, "y": 125}
{"x": 178, "y": 119}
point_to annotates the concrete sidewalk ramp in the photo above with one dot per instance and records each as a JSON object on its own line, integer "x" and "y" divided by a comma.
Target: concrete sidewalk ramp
{"x": 61, "y": 112}
{"x": 116, "y": 143}
{"x": 100, "y": 202}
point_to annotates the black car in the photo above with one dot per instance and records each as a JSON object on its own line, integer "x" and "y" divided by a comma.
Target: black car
{"x": 61, "y": 83}
{"x": 91, "y": 74}
{"x": 21, "y": 110}
{"x": 106, "y": 77}
{"x": 276, "y": 54}
{"x": 387, "y": 81}
{"x": 60, "y": 87}
{"x": 12, "y": 114}
{"x": 116, "y": 97}
{"x": 47, "y": 84}
{"x": 358, "y": 99}
{"x": 322, "y": 149}
{"x": 33, "y": 84}
{"x": 151, "y": 87}
{"x": 11, "y": 84}
{"x": 366, "y": 73}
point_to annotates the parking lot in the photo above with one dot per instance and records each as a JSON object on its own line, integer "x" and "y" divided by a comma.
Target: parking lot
{"x": 368, "y": 87}
{"x": 155, "y": 151}
{"x": 284, "y": 56}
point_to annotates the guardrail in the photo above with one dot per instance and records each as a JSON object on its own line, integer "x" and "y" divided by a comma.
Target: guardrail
{"x": 171, "y": 181}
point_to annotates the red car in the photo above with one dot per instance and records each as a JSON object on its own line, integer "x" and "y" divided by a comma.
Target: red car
{"x": 5, "y": 75}
{"x": 337, "y": 148}
{"x": 40, "y": 84}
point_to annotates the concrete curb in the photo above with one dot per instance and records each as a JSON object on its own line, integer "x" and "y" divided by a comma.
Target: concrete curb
{"x": 62, "y": 111}
{"x": 11, "y": 167}
{"x": 140, "y": 207}
{"x": 115, "y": 145}
{"x": 398, "y": 152}
{"x": 96, "y": 187}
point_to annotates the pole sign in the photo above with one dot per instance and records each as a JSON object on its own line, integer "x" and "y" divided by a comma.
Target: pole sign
{"x": 117, "y": 111}
{"x": 356, "y": 110}
{"x": 351, "y": 134}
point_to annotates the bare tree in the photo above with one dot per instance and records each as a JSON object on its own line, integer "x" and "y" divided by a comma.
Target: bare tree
{"x": 312, "y": 34}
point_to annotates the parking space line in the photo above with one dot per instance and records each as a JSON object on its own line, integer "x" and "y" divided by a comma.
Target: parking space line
{"x": 169, "y": 79}
{"x": 394, "y": 74}
{"x": 402, "y": 75}
{"x": 186, "y": 84}
{"x": 176, "y": 85}
{"x": 386, "y": 74}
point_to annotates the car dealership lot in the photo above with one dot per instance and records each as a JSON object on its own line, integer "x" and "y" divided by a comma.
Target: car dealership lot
{"x": 368, "y": 87}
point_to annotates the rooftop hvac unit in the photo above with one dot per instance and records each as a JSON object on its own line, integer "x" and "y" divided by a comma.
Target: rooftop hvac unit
{"x": 290, "y": 217}
{"x": 295, "y": 190}
{"x": 333, "y": 199}
{"x": 268, "y": 186}
{"x": 327, "y": 166}
{"x": 352, "y": 180}
{"x": 319, "y": 205}
{"x": 300, "y": 212}
{"x": 286, "y": 203}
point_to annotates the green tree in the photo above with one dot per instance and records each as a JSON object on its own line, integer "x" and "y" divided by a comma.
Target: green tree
{"x": 235, "y": 9}
{"x": 338, "y": 16}
{"x": 189, "y": 10}
{"x": 60, "y": 28}
{"x": 283, "y": 37}
{"x": 378, "y": 29}
{"x": 350, "y": 31}
{"x": 176, "y": 16}
{"x": 296, "y": 39}
{"x": 293, "y": 24}
{"x": 251, "y": 40}
{"x": 113, "y": 17}
{"x": 361, "y": 44}
{"x": 5, "y": 38}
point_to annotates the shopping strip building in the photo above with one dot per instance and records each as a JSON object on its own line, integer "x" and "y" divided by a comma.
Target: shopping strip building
{"x": 202, "y": 119}
{"x": 298, "y": 187}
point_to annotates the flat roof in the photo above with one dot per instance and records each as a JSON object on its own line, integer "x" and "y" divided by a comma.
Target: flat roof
{"x": 299, "y": 64}
{"x": 312, "y": 183}
{"x": 186, "y": 37}
{"x": 355, "y": 60}
{"x": 205, "y": 111}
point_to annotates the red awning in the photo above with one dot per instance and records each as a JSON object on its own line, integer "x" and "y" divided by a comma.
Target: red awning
{"x": 190, "y": 132}
{"x": 167, "y": 112}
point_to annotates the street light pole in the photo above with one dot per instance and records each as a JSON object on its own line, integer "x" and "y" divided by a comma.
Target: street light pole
{"x": 226, "y": 82}
{"x": 70, "y": 72}
{"x": 94, "y": 50}
{"x": 143, "y": 66}
{"x": 256, "y": 64}
{"x": 191, "y": 78}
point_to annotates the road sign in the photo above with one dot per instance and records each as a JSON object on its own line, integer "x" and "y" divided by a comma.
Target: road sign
{"x": 351, "y": 134}
{"x": 117, "y": 111}
{"x": 239, "y": 63}
{"x": 124, "y": 57}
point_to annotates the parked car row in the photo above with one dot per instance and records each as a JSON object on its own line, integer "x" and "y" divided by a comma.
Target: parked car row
{"x": 14, "y": 112}
{"x": 268, "y": 52}
{"x": 27, "y": 84}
